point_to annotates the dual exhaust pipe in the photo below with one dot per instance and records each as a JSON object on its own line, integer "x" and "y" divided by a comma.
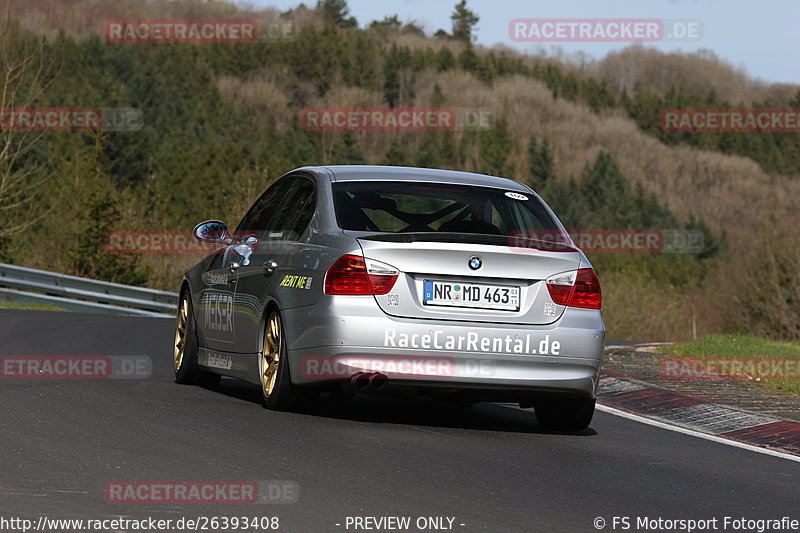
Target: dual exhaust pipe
{"x": 368, "y": 380}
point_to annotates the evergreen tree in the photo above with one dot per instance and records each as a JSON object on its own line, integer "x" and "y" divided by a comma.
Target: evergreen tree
{"x": 347, "y": 152}
{"x": 464, "y": 21}
{"x": 428, "y": 154}
{"x": 90, "y": 257}
{"x": 437, "y": 97}
{"x": 445, "y": 60}
{"x": 565, "y": 197}
{"x": 391, "y": 76}
{"x": 358, "y": 62}
{"x": 99, "y": 204}
{"x": 469, "y": 60}
{"x": 335, "y": 12}
{"x": 597, "y": 95}
{"x": 495, "y": 146}
{"x": 604, "y": 188}
{"x": 387, "y": 25}
{"x": 540, "y": 161}
{"x": 397, "y": 154}
{"x": 449, "y": 153}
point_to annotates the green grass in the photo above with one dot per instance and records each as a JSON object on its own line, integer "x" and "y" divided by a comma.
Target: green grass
{"x": 745, "y": 349}
{"x": 27, "y": 305}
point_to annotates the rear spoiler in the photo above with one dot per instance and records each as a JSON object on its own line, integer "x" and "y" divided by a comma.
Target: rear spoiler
{"x": 513, "y": 241}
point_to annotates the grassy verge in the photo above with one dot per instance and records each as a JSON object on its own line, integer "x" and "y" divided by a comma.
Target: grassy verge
{"x": 772, "y": 363}
{"x": 26, "y": 305}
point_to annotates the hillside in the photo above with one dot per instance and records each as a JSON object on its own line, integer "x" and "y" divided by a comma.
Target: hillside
{"x": 221, "y": 122}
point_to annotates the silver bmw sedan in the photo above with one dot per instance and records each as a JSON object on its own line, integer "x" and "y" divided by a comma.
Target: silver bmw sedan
{"x": 396, "y": 280}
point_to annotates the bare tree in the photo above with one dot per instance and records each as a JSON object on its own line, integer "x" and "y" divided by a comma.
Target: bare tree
{"x": 23, "y": 79}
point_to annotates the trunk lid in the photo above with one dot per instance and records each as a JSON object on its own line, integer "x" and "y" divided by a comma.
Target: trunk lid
{"x": 507, "y": 275}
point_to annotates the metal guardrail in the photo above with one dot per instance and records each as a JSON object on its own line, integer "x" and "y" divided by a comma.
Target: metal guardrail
{"x": 81, "y": 294}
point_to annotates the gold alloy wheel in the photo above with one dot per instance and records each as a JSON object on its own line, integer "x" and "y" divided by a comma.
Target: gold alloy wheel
{"x": 180, "y": 333}
{"x": 271, "y": 354}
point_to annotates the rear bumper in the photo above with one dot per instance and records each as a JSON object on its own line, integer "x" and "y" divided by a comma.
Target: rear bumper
{"x": 493, "y": 360}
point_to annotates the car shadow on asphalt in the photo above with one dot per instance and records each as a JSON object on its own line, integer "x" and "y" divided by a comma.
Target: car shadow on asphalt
{"x": 408, "y": 411}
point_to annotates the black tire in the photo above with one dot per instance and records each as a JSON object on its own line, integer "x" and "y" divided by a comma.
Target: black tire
{"x": 572, "y": 415}
{"x": 185, "y": 348}
{"x": 280, "y": 394}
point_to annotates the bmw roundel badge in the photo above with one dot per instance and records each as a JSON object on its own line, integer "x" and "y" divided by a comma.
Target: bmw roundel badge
{"x": 475, "y": 262}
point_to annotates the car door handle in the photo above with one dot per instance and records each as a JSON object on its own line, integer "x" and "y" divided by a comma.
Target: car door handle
{"x": 234, "y": 266}
{"x": 270, "y": 266}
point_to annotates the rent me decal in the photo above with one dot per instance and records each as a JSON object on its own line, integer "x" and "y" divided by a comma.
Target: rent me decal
{"x": 297, "y": 282}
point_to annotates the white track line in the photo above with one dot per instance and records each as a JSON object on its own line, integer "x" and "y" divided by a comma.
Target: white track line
{"x": 693, "y": 433}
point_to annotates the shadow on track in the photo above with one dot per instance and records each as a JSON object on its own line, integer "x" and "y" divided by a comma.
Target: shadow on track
{"x": 408, "y": 411}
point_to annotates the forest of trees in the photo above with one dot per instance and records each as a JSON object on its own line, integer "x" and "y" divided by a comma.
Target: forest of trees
{"x": 220, "y": 122}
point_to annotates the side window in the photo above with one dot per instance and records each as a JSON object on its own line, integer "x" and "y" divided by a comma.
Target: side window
{"x": 258, "y": 217}
{"x": 294, "y": 212}
{"x": 304, "y": 218}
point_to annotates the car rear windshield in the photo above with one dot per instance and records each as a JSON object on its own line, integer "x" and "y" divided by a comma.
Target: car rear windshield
{"x": 413, "y": 207}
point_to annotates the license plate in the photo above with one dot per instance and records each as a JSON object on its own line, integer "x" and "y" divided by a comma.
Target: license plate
{"x": 478, "y": 295}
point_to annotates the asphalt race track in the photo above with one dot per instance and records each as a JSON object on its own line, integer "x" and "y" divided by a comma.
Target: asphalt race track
{"x": 491, "y": 467}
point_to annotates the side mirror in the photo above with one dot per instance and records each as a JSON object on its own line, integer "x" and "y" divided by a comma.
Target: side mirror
{"x": 211, "y": 231}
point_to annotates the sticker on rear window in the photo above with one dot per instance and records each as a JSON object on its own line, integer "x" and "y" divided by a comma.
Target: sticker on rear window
{"x": 516, "y": 196}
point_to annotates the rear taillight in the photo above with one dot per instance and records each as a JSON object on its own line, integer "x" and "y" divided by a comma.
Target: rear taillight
{"x": 351, "y": 274}
{"x": 579, "y": 288}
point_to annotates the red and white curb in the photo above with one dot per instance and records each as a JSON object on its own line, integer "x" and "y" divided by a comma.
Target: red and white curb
{"x": 673, "y": 410}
